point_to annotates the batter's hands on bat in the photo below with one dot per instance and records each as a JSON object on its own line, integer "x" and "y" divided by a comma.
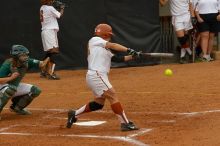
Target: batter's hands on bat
{"x": 132, "y": 52}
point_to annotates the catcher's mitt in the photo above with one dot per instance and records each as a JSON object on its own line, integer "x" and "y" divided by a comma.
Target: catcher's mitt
{"x": 44, "y": 64}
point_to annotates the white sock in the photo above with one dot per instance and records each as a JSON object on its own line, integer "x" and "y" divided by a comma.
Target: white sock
{"x": 122, "y": 118}
{"x": 183, "y": 52}
{"x": 189, "y": 51}
{"x": 204, "y": 56}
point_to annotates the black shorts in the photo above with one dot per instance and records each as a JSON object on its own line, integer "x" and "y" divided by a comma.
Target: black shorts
{"x": 210, "y": 23}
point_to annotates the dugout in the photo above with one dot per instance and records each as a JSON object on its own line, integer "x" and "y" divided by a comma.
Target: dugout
{"x": 136, "y": 24}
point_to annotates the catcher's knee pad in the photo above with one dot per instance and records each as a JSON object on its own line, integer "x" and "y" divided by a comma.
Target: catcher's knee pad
{"x": 183, "y": 40}
{"x": 10, "y": 91}
{"x": 95, "y": 106}
{"x": 35, "y": 91}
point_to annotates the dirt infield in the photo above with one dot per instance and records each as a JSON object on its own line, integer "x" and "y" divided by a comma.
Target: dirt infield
{"x": 182, "y": 110}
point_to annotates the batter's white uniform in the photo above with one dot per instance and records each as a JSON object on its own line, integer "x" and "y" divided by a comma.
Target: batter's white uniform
{"x": 181, "y": 18}
{"x": 50, "y": 27}
{"x": 99, "y": 63}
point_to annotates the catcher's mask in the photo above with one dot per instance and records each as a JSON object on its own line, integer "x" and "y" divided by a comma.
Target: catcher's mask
{"x": 104, "y": 31}
{"x": 20, "y": 53}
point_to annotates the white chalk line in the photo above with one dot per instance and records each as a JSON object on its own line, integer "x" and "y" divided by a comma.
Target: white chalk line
{"x": 145, "y": 92}
{"x": 119, "y": 138}
{"x": 128, "y": 139}
{"x": 6, "y": 128}
{"x": 104, "y": 111}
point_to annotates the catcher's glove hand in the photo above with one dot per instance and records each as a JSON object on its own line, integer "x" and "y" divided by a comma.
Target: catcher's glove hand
{"x": 43, "y": 64}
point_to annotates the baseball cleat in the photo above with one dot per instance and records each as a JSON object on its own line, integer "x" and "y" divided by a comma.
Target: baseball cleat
{"x": 43, "y": 75}
{"x": 128, "y": 126}
{"x": 71, "y": 119}
{"x": 53, "y": 77}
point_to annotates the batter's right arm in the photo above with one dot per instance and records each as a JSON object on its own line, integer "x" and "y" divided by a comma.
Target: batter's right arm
{"x": 116, "y": 47}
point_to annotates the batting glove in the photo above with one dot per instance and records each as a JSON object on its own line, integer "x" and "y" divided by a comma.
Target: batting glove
{"x": 132, "y": 52}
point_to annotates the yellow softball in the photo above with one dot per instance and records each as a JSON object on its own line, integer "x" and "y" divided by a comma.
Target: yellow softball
{"x": 168, "y": 72}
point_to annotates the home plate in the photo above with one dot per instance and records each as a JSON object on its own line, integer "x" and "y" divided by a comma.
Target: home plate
{"x": 90, "y": 123}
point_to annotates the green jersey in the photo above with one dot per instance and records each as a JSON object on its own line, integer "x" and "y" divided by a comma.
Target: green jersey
{"x": 7, "y": 69}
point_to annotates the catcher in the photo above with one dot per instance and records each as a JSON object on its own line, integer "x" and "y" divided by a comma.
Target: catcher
{"x": 99, "y": 62}
{"x": 12, "y": 72}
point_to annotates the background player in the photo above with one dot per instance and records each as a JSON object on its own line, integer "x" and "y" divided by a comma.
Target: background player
{"x": 50, "y": 27}
{"x": 12, "y": 72}
{"x": 181, "y": 11}
{"x": 99, "y": 62}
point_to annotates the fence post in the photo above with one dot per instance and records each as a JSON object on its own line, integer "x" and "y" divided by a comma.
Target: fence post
{"x": 218, "y": 42}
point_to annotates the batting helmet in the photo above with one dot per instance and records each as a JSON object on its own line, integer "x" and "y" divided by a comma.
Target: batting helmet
{"x": 103, "y": 30}
{"x": 16, "y": 50}
{"x": 45, "y": 2}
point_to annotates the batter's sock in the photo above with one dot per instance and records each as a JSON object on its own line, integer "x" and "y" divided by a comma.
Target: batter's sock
{"x": 118, "y": 110}
{"x": 189, "y": 51}
{"x": 183, "y": 52}
{"x": 83, "y": 109}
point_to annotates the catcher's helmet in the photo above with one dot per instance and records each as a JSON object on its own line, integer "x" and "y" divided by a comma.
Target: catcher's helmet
{"x": 103, "y": 30}
{"x": 17, "y": 50}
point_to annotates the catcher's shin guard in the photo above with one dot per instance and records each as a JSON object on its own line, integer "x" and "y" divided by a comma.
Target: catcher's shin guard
{"x": 3, "y": 101}
{"x": 6, "y": 95}
{"x": 20, "y": 102}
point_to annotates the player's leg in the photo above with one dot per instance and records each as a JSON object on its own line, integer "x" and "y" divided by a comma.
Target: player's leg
{"x": 97, "y": 86}
{"x": 52, "y": 64}
{"x": 6, "y": 92}
{"x": 51, "y": 47}
{"x": 204, "y": 45}
{"x": 188, "y": 27}
{"x": 96, "y": 104}
{"x": 210, "y": 45}
{"x": 181, "y": 25}
{"x": 117, "y": 108}
{"x": 25, "y": 94}
{"x": 183, "y": 43}
{"x": 204, "y": 30}
{"x": 213, "y": 29}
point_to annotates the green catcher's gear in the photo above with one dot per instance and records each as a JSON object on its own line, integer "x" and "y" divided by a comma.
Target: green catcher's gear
{"x": 17, "y": 50}
{"x": 20, "y": 102}
{"x": 3, "y": 101}
{"x": 6, "y": 95}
